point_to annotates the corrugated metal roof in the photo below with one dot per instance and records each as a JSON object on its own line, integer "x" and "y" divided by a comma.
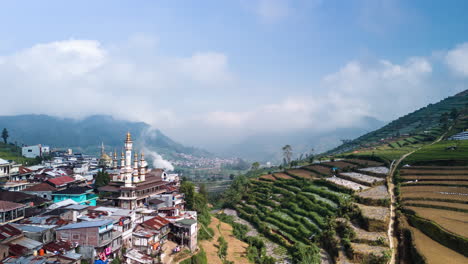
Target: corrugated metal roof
{"x": 33, "y": 228}
{"x": 8, "y": 206}
{"x": 77, "y": 206}
{"x": 27, "y": 243}
{"x": 7, "y": 231}
{"x": 86, "y": 224}
{"x": 59, "y": 181}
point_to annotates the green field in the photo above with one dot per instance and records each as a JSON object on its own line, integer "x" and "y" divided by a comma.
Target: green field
{"x": 441, "y": 151}
{"x": 12, "y": 152}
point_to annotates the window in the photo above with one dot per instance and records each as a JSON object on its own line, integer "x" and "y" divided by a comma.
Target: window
{"x": 29, "y": 150}
{"x": 76, "y": 236}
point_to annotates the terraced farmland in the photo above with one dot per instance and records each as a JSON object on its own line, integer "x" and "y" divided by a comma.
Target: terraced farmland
{"x": 301, "y": 208}
{"x": 303, "y": 174}
{"x": 435, "y": 202}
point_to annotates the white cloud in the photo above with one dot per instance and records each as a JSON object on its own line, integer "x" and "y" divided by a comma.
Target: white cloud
{"x": 457, "y": 59}
{"x": 61, "y": 59}
{"x": 384, "y": 91}
{"x": 273, "y": 10}
{"x": 75, "y": 78}
{"x": 206, "y": 67}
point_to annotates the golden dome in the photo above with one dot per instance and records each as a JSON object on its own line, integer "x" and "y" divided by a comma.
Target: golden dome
{"x": 105, "y": 157}
{"x": 129, "y": 137}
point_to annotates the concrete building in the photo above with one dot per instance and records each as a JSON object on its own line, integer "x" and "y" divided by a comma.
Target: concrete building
{"x": 96, "y": 238}
{"x": 32, "y": 151}
{"x": 81, "y": 195}
{"x": 184, "y": 232}
{"x": 8, "y": 169}
{"x": 11, "y": 212}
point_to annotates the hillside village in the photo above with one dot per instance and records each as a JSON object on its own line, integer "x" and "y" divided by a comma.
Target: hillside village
{"x": 55, "y": 213}
{"x": 399, "y": 198}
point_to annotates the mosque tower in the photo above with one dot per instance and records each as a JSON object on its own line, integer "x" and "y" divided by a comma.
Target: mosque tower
{"x": 136, "y": 173}
{"x": 128, "y": 160}
{"x": 142, "y": 167}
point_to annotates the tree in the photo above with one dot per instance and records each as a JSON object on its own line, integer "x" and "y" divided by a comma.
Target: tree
{"x": 287, "y": 153}
{"x": 102, "y": 179}
{"x": 453, "y": 113}
{"x": 5, "y": 135}
{"x": 203, "y": 191}
{"x": 255, "y": 166}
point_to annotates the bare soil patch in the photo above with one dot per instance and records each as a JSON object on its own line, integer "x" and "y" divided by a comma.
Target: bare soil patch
{"x": 363, "y": 235}
{"x": 446, "y": 204}
{"x": 365, "y": 162}
{"x": 341, "y": 164}
{"x": 281, "y": 175}
{"x": 438, "y": 192}
{"x": 435, "y": 177}
{"x": 381, "y": 171}
{"x": 434, "y": 252}
{"x": 378, "y": 192}
{"x": 320, "y": 169}
{"x": 361, "y": 250}
{"x": 438, "y": 172}
{"x": 455, "y": 222}
{"x": 375, "y": 212}
{"x": 268, "y": 177}
{"x": 422, "y": 182}
{"x": 303, "y": 174}
{"x": 237, "y": 249}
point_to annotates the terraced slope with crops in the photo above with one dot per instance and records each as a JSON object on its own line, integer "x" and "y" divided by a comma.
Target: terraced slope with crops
{"x": 408, "y": 132}
{"x": 308, "y": 206}
{"x": 434, "y": 203}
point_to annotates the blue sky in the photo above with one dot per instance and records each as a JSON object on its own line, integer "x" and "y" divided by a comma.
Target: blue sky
{"x": 238, "y": 67}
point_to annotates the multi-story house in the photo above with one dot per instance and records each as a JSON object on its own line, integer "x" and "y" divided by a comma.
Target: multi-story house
{"x": 11, "y": 212}
{"x": 96, "y": 238}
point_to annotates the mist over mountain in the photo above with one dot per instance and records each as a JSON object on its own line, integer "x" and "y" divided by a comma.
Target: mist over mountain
{"x": 267, "y": 146}
{"x": 87, "y": 134}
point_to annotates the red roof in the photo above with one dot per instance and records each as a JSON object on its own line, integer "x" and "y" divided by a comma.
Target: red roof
{"x": 59, "y": 181}
{"x": 8, "y": 206}
{"x": 60, "y": 246}
{"x": 42, "y": 187}
{"x": 155, "y": 223}
{"x": 7, "y": 231}
{"x": 23, "y": 170}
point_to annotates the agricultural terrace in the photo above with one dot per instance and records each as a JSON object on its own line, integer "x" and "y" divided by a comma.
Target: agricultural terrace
{"x": 376, "y": 170}
{"x": 299, "y": 209}
{"x": 455, "y": 151}
{"x": 281, "y": 175}
{"x": 435, "y": 201}
{"x": 303, "y": 174}
{"x": 362, "y": 178}
{"x": 434, "y": 252}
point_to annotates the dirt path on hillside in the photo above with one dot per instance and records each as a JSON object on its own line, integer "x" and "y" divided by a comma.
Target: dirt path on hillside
{"x": 391, "y": 186}
{"x": 237, "y": 250}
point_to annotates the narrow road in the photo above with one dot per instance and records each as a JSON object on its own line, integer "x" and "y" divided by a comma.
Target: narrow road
{"x": 391, "y": 186}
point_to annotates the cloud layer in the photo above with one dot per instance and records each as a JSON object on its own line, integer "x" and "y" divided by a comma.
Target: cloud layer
{"x": 76, "y": 78}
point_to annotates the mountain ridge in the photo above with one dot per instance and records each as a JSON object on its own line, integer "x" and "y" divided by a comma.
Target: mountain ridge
{"x": 87, "y": 134}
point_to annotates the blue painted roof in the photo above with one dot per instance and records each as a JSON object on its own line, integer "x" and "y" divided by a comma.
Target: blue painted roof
{"x": 86, "y": 224}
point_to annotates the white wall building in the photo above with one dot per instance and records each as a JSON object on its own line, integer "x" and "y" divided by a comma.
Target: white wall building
{"x": 35, "y": 151}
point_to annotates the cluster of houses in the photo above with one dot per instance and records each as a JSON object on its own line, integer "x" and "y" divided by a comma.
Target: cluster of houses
{"x": 52, "y": 214}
